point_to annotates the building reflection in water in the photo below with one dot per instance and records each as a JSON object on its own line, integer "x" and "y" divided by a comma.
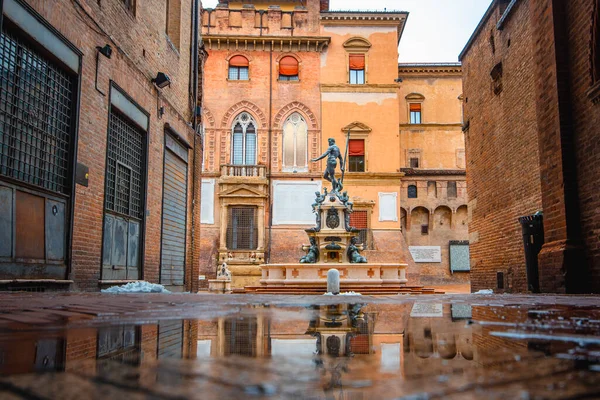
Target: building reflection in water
{"x": 340, "y": 351}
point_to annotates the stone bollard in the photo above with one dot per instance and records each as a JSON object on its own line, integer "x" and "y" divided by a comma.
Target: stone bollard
{"x": 333, "y": 281}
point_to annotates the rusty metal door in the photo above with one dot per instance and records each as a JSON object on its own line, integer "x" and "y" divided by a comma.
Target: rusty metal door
{"x": 172, "y": 268}
{"x": 37, "y": 124}
{"x": 123, "y": 199}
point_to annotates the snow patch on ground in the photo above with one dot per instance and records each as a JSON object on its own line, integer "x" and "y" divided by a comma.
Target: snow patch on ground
{"x": 343, "y": 294}
{"x": 137, "y": 287}
{"x": 485, "y": 291}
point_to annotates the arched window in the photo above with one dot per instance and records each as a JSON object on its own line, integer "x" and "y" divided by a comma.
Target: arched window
{"x": 288, "y": 69}
{"x": 412, "y": 192}
{"x": 243, "y": 140}
{"x": 238, "y": 68}
{"x": 295, "y": 143}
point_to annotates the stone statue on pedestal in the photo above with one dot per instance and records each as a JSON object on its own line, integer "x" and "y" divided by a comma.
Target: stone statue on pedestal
{"x": 223, "y": 273}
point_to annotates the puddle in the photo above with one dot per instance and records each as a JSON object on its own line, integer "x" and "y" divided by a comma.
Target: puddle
{"x": 441, "y": 347}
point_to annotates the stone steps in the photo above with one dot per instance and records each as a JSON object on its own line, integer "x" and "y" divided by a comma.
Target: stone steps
{"x": 320, "y": 289}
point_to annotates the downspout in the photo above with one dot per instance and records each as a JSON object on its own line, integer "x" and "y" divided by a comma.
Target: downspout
{"x": 195, "y": 125}
{"x": 270, "y": 151}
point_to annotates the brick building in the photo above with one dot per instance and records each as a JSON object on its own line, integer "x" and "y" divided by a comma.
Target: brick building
{"x": 97, "y": 145}
{"x": 281, "y": 78}
{"x": 433, "y": 198}
{"x": 531, "y": 76}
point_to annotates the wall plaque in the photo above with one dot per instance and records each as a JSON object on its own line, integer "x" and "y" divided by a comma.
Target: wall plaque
{"x": 427, "y": 310}
{"x": 426, "y": 254}
{"x": 459, "y": 256}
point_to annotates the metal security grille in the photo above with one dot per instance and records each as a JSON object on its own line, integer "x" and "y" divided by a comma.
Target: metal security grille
{"x": 359, "y": 220}
{"x": 240, "y": 337}
{"x": 124, "y": 168}
{"x": 242, "y": 233}
{"x": 36, "y": 109}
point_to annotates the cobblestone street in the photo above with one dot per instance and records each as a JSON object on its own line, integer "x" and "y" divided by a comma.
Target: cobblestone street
{"x": 432, "y": 346}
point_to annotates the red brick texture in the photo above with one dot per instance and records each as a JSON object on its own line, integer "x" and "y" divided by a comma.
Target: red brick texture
{"x": 553, "y": 76}
{"x": 503, "y": 173}
{"x": 141, "y": 48}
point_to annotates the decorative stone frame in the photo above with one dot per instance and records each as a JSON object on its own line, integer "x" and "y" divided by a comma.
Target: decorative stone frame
{"x": 358, "y": 130}
{"x": 298, "y": 59}
{"x": 414, "y": 153}
{"x": 247, "y": 57}
{"x": 414, "y": 98}
{"x": 357, "y": 45}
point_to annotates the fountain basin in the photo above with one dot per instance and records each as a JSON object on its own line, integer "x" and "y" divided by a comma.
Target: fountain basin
{"x": 370, "y": 274}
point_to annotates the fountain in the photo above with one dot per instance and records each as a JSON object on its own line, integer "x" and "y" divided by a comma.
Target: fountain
{"x": 333, "y": 243}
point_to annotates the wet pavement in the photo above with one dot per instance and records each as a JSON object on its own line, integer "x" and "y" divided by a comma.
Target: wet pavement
{"x": 63, "y": 346}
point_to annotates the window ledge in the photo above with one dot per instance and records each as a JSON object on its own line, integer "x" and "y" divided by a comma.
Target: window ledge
{"x": 593, "y": 93}
{"x": 286, "y": 81}
{"x": 238, "y": 80}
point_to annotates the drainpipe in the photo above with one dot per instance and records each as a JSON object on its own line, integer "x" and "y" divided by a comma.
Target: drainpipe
{"x": 196, "y": 189}
{"x": 270, "y": 151}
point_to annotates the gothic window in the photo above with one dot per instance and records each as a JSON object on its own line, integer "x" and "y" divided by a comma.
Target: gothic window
{"x": 412, "y": 192}
{"x": 295, "y": 143}
{"x": 238, "y": 69}
{"x": 288, "y": 69}
{"x": 243, "y": 140}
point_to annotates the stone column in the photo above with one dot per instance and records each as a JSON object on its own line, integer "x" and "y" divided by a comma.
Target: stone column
{"x": 261, "y": 228}
{"x": 223, "y": 225}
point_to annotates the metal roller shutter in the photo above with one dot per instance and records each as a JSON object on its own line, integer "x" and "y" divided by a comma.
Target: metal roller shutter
{"x": 174, "y": 217}
{"x": 170, "y": 339}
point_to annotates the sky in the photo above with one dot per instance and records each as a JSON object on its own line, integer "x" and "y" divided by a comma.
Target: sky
{"x": 436, "y": 30}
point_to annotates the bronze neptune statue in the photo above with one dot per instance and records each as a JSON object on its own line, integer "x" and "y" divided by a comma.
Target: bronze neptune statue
{"x": 332, "y": 153}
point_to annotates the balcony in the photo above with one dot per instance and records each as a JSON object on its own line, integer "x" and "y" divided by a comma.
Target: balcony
{"x": 244, "y": 171}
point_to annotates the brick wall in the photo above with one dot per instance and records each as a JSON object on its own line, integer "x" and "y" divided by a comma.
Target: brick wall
{"x": 557, "y": 122}
{"x": 503, "y": 174}
{"x": 141, "y": 48}
{"x": 586, "y": 120}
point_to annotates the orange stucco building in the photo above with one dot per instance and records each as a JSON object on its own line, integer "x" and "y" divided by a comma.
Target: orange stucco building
{"x": 281, "y": 77}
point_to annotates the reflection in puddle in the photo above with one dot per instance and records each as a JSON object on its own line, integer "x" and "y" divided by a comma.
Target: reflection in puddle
{"x": 334, "y": 351}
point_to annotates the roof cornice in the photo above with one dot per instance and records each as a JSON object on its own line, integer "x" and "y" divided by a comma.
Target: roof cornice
{"x": 368, "y": 18}
{"x": 263, "y": 43}
{"x": 430, "y": 68}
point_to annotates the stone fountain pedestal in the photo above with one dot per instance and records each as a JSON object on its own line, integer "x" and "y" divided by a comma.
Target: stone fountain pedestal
{"x": 333, "y": 245}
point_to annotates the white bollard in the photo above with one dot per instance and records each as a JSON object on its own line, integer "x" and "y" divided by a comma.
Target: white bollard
{"x": 333, "y": 281}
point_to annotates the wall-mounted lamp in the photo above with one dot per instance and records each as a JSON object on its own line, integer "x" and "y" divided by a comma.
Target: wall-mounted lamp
{"x": 106, "y": 51}
{"x": 162, "y": 80}
{"x": 398, "y": 80}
